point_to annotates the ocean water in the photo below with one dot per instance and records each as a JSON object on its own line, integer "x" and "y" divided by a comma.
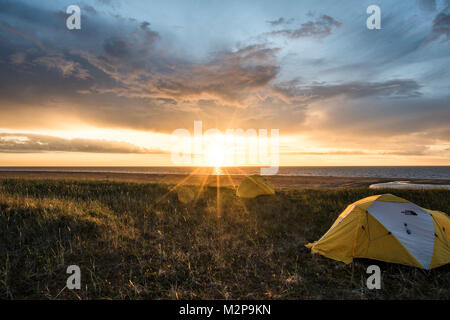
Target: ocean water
{"x": 406, "y": 185}
{"x": 418, "y": 172}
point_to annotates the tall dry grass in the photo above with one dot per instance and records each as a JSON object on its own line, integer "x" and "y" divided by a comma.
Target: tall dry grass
{"x": 137, "y": 241}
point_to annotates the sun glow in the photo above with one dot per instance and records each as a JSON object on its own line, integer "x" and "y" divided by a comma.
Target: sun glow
{"x": 215, "y": 150}
{"x": 214, "y": 156}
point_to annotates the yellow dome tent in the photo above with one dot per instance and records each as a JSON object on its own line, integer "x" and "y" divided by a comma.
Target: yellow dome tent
{"x": 253, "y": 186}
{"x": 388, "y": 228}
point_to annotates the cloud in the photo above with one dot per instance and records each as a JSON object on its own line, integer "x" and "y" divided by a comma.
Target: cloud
{"x": 89, "y": 9}
{"x": 428, "y": 5}
{"x": 441, "y": 25}
{"x": 32, "y": 143}
{"x": 230, "y": 76}
{"x": 18, "y": 58}
{"x": 65, "y": 67}
{"x": 117, "y": 47}
{"x": 111, "y": 3}
{"x": 280, "y": 21}
{"x": 416, "y": 151}
{"x": 399, "y": 88}
{"x": 320, "y": 28}
{"x": 326, "y": 153}
{"x": 24, "y": 35}
{"x": 395, "y": 124}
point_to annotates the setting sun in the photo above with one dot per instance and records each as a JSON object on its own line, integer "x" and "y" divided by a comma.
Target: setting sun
{"x": 214, "y": 156}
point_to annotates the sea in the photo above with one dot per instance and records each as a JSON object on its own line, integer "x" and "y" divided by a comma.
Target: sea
{"x": 397, "y": 172}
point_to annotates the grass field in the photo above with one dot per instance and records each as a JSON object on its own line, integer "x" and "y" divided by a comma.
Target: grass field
{"x": 138, "y": 241}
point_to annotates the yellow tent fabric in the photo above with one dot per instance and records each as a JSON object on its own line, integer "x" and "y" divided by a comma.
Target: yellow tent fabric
{"x": 388, "y": 228}
{"x": 255, "y": 185}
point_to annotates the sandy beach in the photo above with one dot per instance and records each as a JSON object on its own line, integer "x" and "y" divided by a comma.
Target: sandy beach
{"x": 279, "y": 181}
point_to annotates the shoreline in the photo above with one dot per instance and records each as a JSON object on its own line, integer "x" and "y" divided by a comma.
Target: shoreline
{"x": 279, "y": 181}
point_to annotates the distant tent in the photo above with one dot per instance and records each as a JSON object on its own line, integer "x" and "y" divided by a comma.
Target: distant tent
{"x": 388, "y": 228}
{"x": 185, "y": 194}
{"x": 253, "y": 186}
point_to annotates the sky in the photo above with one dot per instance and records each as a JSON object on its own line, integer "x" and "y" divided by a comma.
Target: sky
{"x": 113, "y": 92}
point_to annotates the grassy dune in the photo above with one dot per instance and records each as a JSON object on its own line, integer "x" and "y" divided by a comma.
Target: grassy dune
{"x": 138, "y": 241}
